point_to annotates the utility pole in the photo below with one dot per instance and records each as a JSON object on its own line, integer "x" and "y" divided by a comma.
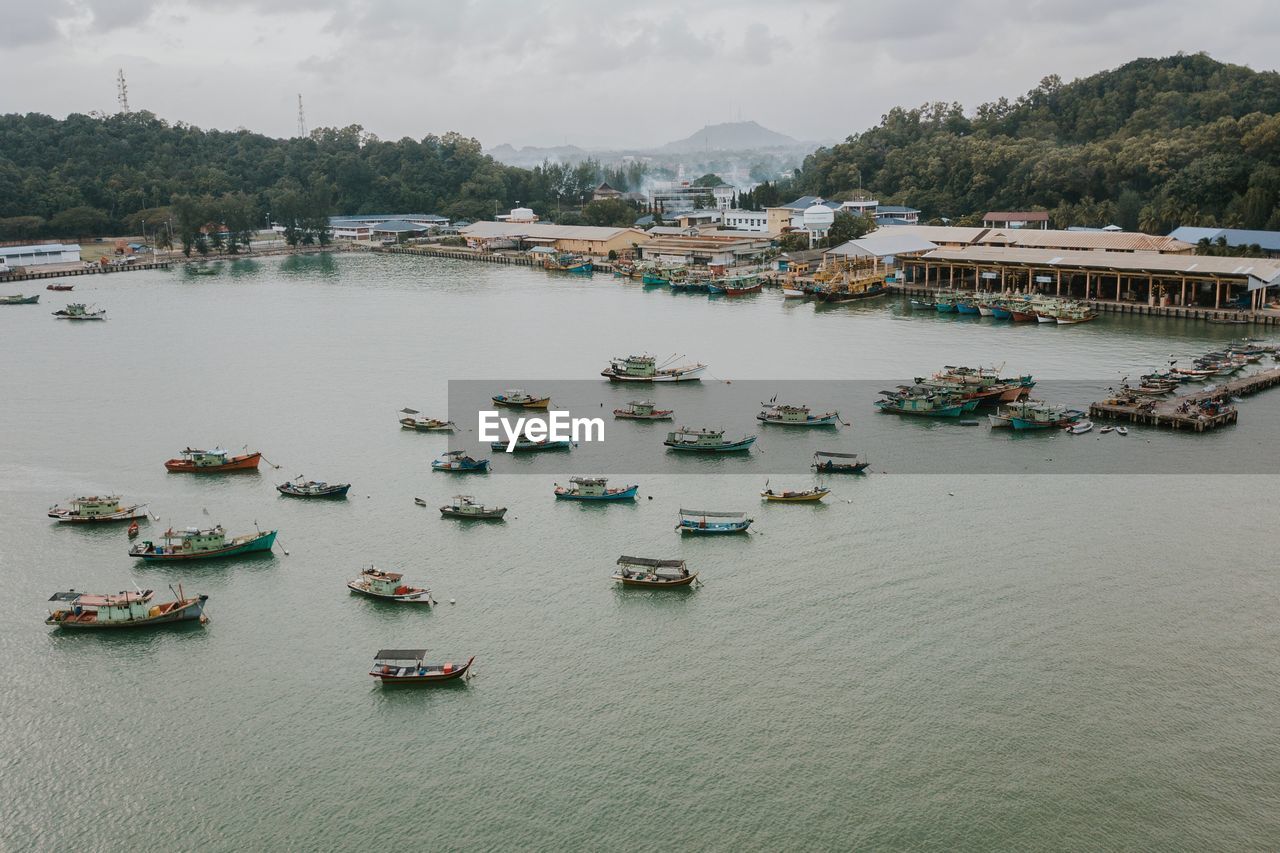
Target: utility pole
{"x": 122, "y": 92}
{"x": 302, "y": 118}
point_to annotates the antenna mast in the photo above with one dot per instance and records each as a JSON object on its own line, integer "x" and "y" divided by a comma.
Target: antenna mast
{"x": 122, "y": 91}
{"x": 302, "y": 118}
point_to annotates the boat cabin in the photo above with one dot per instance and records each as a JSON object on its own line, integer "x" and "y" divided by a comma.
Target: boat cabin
{"x": 640, "y": 407}
{"x": 788, "y": 414}
{"x": 696, "y": 437}
{"x": 588, "y": 486}
{"x": 636, "y": 365}
{"x": 383, "y": 583}
{"x": 206, "y": 458}
{"x": 95, "y": 507}
{"x": 646, "y": 568}
{"x": 193, "y": 539}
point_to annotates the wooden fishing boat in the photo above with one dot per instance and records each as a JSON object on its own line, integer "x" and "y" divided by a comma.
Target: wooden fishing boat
{"x": 907, "y": 400}
{"x": 458, "y": 462}
{"x": 78, "y": 311}
{"x": 133, "y": 529}
{"x": 61, "y": 287}
{"x": 851, "y": 292}
{"x": 567, "y": 263}
{"x": 408, "y": 666}
{"x": 654, "y": 574}
{"x": 1072, "y": 316}
{"x": 424, "y": 424}
{"x": 124, "y": 610}
{"x": 517, "y": 398}
{"x": 923, "y": 304}
{"x": 1022, "y": 316}
{"x": 810, "y": 495}
{"x": 297, "y": 488}
{"x": 945, "y": 305}
{"x": 986, "y": 309}
{"x": 1037, "y": 414}
{"x": 827, "y": 462}
{"x": 195, "y": 543}
{"x": 96, "y": 510}
{"x": 645, "y": 368}
{"x": 705, "y": 522}
{"x": 387, "y": 586}
{"x": 594, "y": 489}
{"x": 465, "y": 507}
{"x": 216, "y": 461}
{"x": 689, "y": 440}
{"x": 967, "y": 306}
{"x": 524, "y": 445}
{"x": 735, "y": 285}
{"x": 783, "y": 414}
{"x": 1001, "y": 311}
{"x": 19, "y": 299}
{"x": 643, "y": 410}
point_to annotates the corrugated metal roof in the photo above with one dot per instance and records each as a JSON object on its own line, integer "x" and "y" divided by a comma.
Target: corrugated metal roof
{"x": 1117, "y": 241}
{"x": 1126, "y": 262}
{"x": 489, "y": 230}
{"x": 947, "y": 233}
{"x": 898, "y": 241}
{"x": 1017, "y": 216}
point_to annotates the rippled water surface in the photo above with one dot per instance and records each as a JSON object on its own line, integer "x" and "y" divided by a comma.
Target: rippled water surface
{"x": 952, "y": 660}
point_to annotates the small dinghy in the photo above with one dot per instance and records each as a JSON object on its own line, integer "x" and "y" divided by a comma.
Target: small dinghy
{"x": 297, "y": 488}
{"x": 465, "y": 507}
{"x": 812, "y": 495}
{"x": 1080, "y": 427}
{"x": 1106, "y": 429}
{"x": 133, "y": 530}
{"x": 1122, "y": 430}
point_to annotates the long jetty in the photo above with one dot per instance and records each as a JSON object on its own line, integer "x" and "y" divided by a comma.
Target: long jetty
{"x": 461, "y": 254}
{"x": 95, "y": 269}
{"x": 1184, "y": 411}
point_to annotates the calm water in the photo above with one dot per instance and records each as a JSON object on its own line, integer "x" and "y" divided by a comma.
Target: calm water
{"x": 952, "y": 660}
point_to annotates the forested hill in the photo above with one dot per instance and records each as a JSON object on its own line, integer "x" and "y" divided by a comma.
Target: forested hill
{"x": 95, "y": 174}
{"x": 1156, "y": 143}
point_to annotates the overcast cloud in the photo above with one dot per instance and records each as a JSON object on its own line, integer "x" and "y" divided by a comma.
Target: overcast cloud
{"x": 590, "y": 72}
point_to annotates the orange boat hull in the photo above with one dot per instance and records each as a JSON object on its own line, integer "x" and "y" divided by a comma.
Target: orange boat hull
{"x": 248, "y": 462}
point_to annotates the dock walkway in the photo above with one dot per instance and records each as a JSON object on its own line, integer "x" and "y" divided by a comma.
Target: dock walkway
{"x": 1184, "y": 411}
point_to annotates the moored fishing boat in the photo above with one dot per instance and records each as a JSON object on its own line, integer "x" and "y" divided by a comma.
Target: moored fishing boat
{"x": 849, "y": 292}
{"x": 810, "y": 495}
{"x": 466, "y": 508}
{"x": 19, "y": 299}
{"x": 706, "y": 441}
{"x": 216, "y": 461}
{"x": 643, "y": 410}
{"x": 387, "y": 586}
{"x": 654, "y": 574}
{"x": 60, "y": 287}
{"x": 424, "y": 424}
{"x": 1003, "y": 417}
{"x": 196, "y": 543}
{"x": 1041, "y": 415}
{"x": 908, "y": 400}
{"x": 986, "y": 309}
{"x": 299, "y": 488}
{"x": 409, "y": 666}
{"x": 458, "y": 462}
{"x": 525, "y": 445}
{"x": 967, "y": 306}
{"x": 567, "y": 263}
{"x": 697, "y": 521}
{"x": 594, "y": 489}
{"x": 518, "y": 398}
{"x": 645, "y": 368}
{"x": 1000, "y": 311}
{"x": 827, "y": 462}
{"x": 133, "y": 529}
{"x": 78, "y": 311}
{"x": 788, "y": 415}
{"x": 124, "y": 610}
{"x": 1072, "y": 316}
{"x": 739, "y": 285}
{"x": 1022, "y": 315}
{"x": 96, "y": 510}
{"x": 922, "y": 304}
{"x": 945, "y": 305}
{"x": 792, "y": 291}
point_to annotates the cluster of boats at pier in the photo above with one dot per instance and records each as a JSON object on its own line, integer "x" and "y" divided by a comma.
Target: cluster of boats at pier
{"x": 1016, "y": 308}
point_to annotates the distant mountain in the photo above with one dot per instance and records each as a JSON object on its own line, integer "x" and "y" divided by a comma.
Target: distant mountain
{"x": 732, "y": 136}
{"x": 531, "y": 155}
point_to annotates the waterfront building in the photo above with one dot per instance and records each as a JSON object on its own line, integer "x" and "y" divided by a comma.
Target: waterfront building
{"x": 578, "y": 239}
{"x": 896, "y": 214}
{"x": 362, "y": 226}
{"x": 1016, "y": 219}
{"x": 720, "y": 249}
{"x": 1032, "y": 238}
{"x": 756, "y": 221}
{"x": 39, "y": 255}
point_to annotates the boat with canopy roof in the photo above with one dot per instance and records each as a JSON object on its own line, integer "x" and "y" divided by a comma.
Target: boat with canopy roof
{"x": 654, "y": 574}
{"x": 388, "y": 586}
{"x": 409, "y": 666}
{"x": 124, "y": 610}
{"x": 214, "y": 461}
{"x": 828, "y": 462}
{"x": 702, "y": 521}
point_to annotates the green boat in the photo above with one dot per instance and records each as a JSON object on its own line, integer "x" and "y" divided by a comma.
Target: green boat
{"x": 196, "y": 543}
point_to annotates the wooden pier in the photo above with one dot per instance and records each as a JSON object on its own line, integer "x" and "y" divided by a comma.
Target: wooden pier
{"x": 1154, "y": 411}
{"x": 461, "y": 254}
{"x": 95, "y": 269}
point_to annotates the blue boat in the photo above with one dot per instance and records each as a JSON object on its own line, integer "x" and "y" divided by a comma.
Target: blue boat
{"x": 944, "y": 306}
{"x": 526, "y": 445}
{"x": 1001, "y": 313}
{"x": 704, "y": 522}
{"x": 594, "y": 489}
{"x": 965, "y": 307}
{"x": 458, "y": 462}
{"x": 706, "y": 441}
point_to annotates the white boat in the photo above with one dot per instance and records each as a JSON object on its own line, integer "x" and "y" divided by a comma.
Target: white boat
{"x": 1106, "y": 429}
{"x": 1080, "y": 427}
{"x": 387, "y": 586}
{"x": 645, "y": 368}
{"x": 91, "y": 510}
{"x": 793, "y": 293}
{"x": 1122, "y": 430}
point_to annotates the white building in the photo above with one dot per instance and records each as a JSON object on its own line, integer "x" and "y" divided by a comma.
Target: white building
{"x": 746, "y": 220}
{"x": 362, "y": 227}
{"x": 39, "y": 255}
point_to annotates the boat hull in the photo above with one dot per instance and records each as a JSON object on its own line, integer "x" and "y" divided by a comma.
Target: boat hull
{"x": 491, "y": 515}
{"x": 674, "y": 583}
{"x": 422, "y": 596}
{"x": 728, "y": 447}
{"x": 831, "y": 468}
{"x": 691, "y": 374}
{"x": 334, "y": 492}
{"x": 247, "y": 462}
{"x": 262, "y": 542}
{"x": 661, "y": 415}
{"x": 713, "y": 529}
{"x": 537, "y": 403}
{"x": 478, "y": 468}
{"x": 191, "y": 610}
{"x": 813, "y": 421}
{"x": 132, "y": 513}
{"x": 807, "y": 497}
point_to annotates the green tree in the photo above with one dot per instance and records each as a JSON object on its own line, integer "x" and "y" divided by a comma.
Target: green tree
{"x": 609, "y": 211}
{"x": 710, "y": 180}
{"x": 81, "y": 220}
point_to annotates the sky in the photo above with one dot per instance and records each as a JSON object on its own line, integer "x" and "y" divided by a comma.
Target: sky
{"x": 595, "y": 73}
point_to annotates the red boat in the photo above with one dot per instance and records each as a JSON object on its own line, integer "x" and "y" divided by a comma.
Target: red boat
{"x": 1022, "y": 316}
{"x": 133, "y": 530}
{"x": 59, "y": 287}
{"x": 212, "y": 462}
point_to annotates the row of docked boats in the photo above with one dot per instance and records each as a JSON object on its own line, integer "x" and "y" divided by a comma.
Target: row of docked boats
{"x": 953, "y": 391}
{"x": 1016, "y": 308}
{"x": 73, "y": 311}
{"x": 681, "y": 279}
